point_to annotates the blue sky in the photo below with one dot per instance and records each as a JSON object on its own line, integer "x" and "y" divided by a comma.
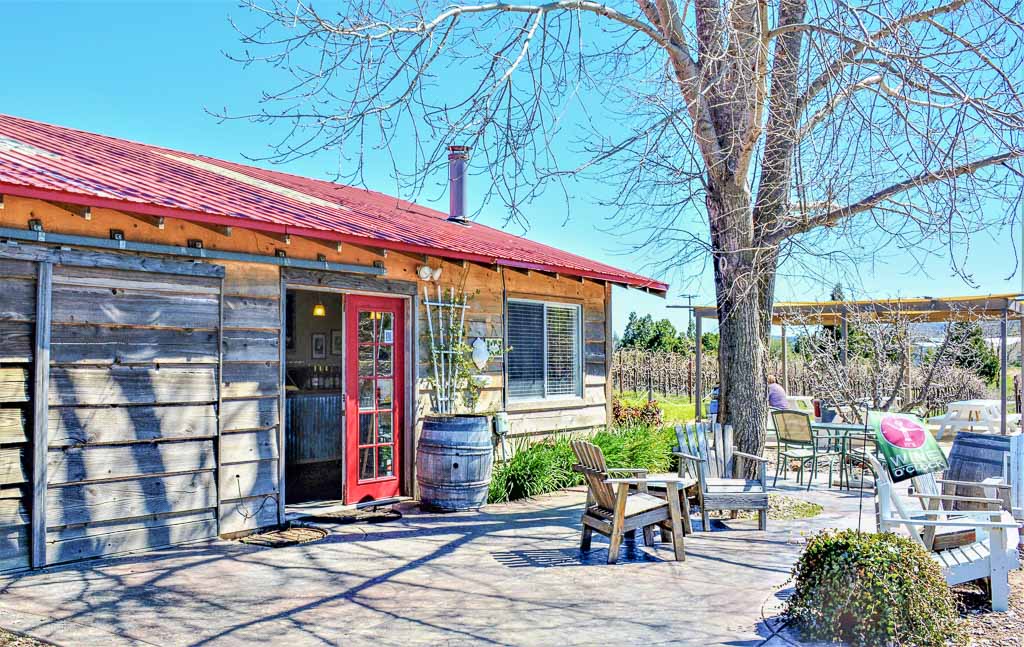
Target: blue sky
{"x": 148, "y": 71}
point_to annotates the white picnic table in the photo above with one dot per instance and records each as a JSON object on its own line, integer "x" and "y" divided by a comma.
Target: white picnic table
{"x": 971, "y": 415}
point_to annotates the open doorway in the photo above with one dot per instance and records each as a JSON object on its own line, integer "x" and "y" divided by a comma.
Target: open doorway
{"x": 344, "y": 397}
{"x": 314, "y": 397}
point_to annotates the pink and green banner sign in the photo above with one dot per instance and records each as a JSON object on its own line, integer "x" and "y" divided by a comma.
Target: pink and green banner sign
{"x": 906, "y": 446}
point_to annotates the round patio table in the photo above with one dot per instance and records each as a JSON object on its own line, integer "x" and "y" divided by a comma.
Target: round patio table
{"x": 842, "y": 434}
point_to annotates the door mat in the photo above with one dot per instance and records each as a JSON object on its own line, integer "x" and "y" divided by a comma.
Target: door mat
{"x": 367, "y": 515}
{"x": 291, "y": 536}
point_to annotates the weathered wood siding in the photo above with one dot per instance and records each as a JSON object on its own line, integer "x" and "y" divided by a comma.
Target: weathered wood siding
{"x": 17, "y": 321}
{"x": 488, "y": 289}
{"x": 542, "y": 418}
{"x": 248, "y": 472}
{"x": 132, "y": 420}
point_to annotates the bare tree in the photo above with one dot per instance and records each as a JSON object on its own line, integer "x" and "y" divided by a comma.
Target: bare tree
{"x": 748, "y": 133}
{"x": 886, "y": 363}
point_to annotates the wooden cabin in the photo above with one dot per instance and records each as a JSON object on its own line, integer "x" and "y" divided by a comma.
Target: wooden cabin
{"x": 183, "y": 341}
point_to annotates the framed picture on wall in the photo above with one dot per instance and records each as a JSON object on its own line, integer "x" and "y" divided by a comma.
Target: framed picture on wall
{"x": 289, "y": 321}
{"x": 336, "y": 343}
{"x": 319, "y": 345}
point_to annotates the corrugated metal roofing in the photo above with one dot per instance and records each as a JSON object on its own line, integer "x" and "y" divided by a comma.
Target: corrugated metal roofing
{"x": 51, "y": 162}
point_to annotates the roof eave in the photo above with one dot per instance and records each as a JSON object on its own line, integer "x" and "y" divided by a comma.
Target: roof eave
{"x": 148, "y": 209}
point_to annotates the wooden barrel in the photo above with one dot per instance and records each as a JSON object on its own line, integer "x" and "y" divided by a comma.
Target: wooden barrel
{"x": 976, "y": 457}
{"x": 453, "y": 462}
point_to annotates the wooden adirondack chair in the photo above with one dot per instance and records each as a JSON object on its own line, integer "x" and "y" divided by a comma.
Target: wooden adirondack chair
{"x": 991, "y": 558}
{"x": 614, "y": 511}
{"x": 707, "y": 449}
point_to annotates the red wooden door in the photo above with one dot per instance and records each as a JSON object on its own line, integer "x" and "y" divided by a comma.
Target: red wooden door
{"x": 374, "y": 396}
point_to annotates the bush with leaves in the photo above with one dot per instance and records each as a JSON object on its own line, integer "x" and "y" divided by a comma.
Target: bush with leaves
{"x": 647, "y": 414}
{"x": 871, "y": 589}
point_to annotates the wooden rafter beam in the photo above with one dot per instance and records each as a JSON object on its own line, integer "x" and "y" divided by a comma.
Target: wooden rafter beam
{"x": 333, "y": 245}
{"x": 74, "y": 209}
{"x": 153, "y": 221}
{"x": 378, "y": 251}
{"x": 222, "y": 230}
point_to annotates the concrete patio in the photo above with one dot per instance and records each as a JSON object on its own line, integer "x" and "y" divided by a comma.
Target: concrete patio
{"x": 511, "y": 574}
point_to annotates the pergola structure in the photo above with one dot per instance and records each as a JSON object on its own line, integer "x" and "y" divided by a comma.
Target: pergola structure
{"x": 924, "y": 309}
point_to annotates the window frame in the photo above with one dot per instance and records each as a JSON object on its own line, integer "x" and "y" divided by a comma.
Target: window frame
{"x": 580, "y": 359}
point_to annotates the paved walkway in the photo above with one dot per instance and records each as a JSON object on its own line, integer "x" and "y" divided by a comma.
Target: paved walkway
{"x": 509, "y": 575}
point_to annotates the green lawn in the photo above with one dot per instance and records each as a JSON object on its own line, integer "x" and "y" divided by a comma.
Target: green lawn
{"x": 677, "y": 408}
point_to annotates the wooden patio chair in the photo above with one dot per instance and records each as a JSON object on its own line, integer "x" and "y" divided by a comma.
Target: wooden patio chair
{"x": 707, "y": 449}
{"x": 615, "y": 511}
{"x": 990, "y": 557}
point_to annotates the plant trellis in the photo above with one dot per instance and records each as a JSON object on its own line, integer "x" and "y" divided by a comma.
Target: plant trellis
{"x": 442, "y": 349}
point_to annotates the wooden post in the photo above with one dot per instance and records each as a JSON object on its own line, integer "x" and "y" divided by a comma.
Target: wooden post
{"x": 1003, "y": 361}
{"x": 282, "y": 401}
{"x": 844, "y": 349}
{"x": 609, "y": 356}
{"x": 40, "y": 413}
{"x": 909, "y": 386}
{"x": 697, "y": 377}
{"x": 785, "y": 368}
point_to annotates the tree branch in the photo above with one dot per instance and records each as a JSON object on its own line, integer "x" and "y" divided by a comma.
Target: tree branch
{"x": 924, "y": 179}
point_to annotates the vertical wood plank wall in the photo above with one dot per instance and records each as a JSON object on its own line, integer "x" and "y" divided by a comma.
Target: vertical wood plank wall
{"x": 249, "y": 475}
{"x": 17, "y": 321}
{"x": 139, "y": 455}
{"x": 132, "y": 419}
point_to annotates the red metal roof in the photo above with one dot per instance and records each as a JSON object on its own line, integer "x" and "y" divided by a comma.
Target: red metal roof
{"x": 55, "y": 163}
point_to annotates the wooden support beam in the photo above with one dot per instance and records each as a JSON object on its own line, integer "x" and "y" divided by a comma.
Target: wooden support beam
{"x": 40, "y": 413}
{"x": 785, "y": 368}
{"x": 333, "y": 245}
{"x": 74, "y": 209}
{"x": 379, "y": 251}
{"x": 153, "y": 221}
{"x": 221, "y": 230}
{"x": 698, "y": 361}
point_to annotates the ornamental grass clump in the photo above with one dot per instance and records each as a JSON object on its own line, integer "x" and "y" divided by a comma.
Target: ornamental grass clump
{"x": 546, "y": 466}
{"x": 871, "y": 589}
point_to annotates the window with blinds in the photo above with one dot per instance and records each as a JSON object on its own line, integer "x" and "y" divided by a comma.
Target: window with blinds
{"x": 545, "y": 354}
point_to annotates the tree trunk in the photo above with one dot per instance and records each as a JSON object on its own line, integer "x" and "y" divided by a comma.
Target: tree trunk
{"x": 742, "y": 280}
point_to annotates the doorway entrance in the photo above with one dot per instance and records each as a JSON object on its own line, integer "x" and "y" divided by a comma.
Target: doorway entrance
{"x": 314, "y": 397}
{"x": 375, "y": 358}
{"x": 344, "y": 397}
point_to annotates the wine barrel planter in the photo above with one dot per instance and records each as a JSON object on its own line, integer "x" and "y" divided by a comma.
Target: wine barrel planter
{"x": 453, "y": 462}
{"x": 976, "y": 457}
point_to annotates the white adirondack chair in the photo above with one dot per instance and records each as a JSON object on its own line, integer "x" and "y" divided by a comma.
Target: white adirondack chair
{"x": 991, "y": 558}
{"x": 941, "y": 494}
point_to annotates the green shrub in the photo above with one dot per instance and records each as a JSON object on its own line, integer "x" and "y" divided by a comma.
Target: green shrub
{"x": 637, "y": 446}
{"x": 534, "y": 469}
{"x": 547, "y": 466}
{"x": 871, "y": 589}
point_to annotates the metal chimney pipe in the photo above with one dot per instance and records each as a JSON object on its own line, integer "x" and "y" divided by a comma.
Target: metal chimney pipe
{"x": 457, "y": 158}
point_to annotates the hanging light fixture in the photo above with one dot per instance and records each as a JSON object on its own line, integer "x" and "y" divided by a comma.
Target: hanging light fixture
{"x": 319, "y": 310}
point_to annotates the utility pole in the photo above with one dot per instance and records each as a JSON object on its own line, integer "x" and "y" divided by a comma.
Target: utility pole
{"x": 689, "y": 306}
